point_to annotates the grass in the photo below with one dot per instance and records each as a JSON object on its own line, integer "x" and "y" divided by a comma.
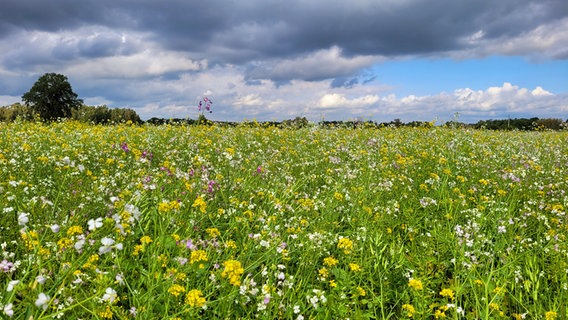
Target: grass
{"x": 146, "y": 222}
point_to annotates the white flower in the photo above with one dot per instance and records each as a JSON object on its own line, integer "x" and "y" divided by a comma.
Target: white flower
{"x": 133, "y": 211}
{"x": 95, "y": 224}
{"x": 23, "y": 218}
{"x": 42, "y": 301}
{"x": 502, "y": 229}
{"x": 54, "y": 228}
{"x": 12, "y": 284}
{"x": 107, "y": 245}
{"x": 8, "y": 310}
{"x": 264, "y": 243}
{"x": 110, "y": 295}
{"x": 41, "y": 279}
{"x": 119, "y": 278}
{"x": 296, "y": 309}
{"x": 79, "y": 244}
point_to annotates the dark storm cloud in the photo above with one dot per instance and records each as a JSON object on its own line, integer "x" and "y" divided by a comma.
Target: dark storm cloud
{"x": 247, "y": 31}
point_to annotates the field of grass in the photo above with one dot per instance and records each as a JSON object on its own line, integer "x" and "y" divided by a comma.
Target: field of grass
{"x": 147, "y": 222}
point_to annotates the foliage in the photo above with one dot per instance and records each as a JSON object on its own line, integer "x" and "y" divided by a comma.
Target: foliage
{"x": 14, "y": 112}
{"x": 297, "y": 123}
{"x": 248, "y": 222}
{"x": 51, "y": 97}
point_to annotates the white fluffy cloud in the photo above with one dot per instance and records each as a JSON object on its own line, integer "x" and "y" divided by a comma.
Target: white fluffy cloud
{"x": 321, "y": 64}
{"x": 234, "y": 100}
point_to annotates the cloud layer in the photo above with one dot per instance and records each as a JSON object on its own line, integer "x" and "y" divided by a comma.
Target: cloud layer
{"x": 274, "y": 60}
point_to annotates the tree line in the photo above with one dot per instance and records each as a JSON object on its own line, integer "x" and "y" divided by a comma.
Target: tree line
{"x": 52, "y": 98}
{"x": 88, "y": 114}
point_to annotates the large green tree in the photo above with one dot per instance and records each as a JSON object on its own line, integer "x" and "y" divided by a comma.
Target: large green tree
{"x": 52, "y": 97}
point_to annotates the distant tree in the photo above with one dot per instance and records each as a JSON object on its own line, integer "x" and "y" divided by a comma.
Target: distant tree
{"x": 14, "y": 112}
{"x": 119, "y": 115}
{"x": 549, "y": 123}
{"x": 52, "y": 97}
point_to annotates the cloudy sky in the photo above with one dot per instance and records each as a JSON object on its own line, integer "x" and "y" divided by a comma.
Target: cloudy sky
{"x": 274, "y": 60}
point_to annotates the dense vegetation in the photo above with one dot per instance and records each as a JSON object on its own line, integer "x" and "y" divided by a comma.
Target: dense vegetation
{"x": 180, "y": 222}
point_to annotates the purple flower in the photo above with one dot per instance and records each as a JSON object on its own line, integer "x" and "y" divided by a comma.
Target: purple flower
{"x": 204, "y": 105}
{"x": 6, "y": 266}
{"x": 211, "y": 186}
{"x": 189, "y": 244}
{"x": 124, "y": 147}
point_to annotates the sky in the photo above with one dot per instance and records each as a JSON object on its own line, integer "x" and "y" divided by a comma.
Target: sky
{"x": 271, "y": 60}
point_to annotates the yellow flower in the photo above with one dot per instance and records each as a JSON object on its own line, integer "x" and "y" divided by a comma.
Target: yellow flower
{"x": 439, "y": 314}
{"x": 145, "y": 240}
{"x": 499, "y": 291}
{"x": 200, "y": 203}
{"x": 361, "y": 292}
{"x": 448, "y": 293}
{"x": 354, "y": 267}
{"x": 345, "y": 244}
{"x": 233, "y": 270}
{"x": 64, "y": 243}
{"x": 137, "y": 249}
{"x": 194, "y": 298}
{"x": 338, "y": 196}
{"x": 323, "y": 272}
{"x": 163, "y": 207}
{"x": 73, "y": 230}
{"x": 175, "y": 290}
{"x": 410, "y": 311}
{"x": 106, "y": 314}
{"x": 231, "y": 244}
{"x": 494, "y": 306}
{"x": 198, "y": 255}
{"x": 415, "y": 284}
{"x": 550, "y": 315}
{"x": 330, "y": 261}
{"x": 213, "y": 232}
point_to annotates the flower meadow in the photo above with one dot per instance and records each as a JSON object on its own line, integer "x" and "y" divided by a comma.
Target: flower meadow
{"x": 185, "y": 222}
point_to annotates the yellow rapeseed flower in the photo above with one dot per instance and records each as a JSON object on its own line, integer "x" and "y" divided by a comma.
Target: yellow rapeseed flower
{"x": 447, "y": 293}
{"x": 106, "y": 314}
{"x": 145, "y": 240}
{"x": 415, "y": 284}
{"x": 410, "y": 311}
{"x": 233, "y": 270}
{"x": 73, "y": 230}
{"x": 176, "y": 289}
{"x": 354, "y": 267}
{"x": 550, "y": 315}
{"x": 345, "y": 244}
{"x": 200, "y": 203}
{"x": 499, "y": 291}
{"x": 198, "y": 255}
{"x": 64, "y": 243}
{"x": 194, "y": 298}
{"x": 213, "y": 232}
{"x": 330, "y": 261}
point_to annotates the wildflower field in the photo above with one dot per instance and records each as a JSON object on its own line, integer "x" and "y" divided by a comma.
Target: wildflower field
{"x": 185, "y": 222}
